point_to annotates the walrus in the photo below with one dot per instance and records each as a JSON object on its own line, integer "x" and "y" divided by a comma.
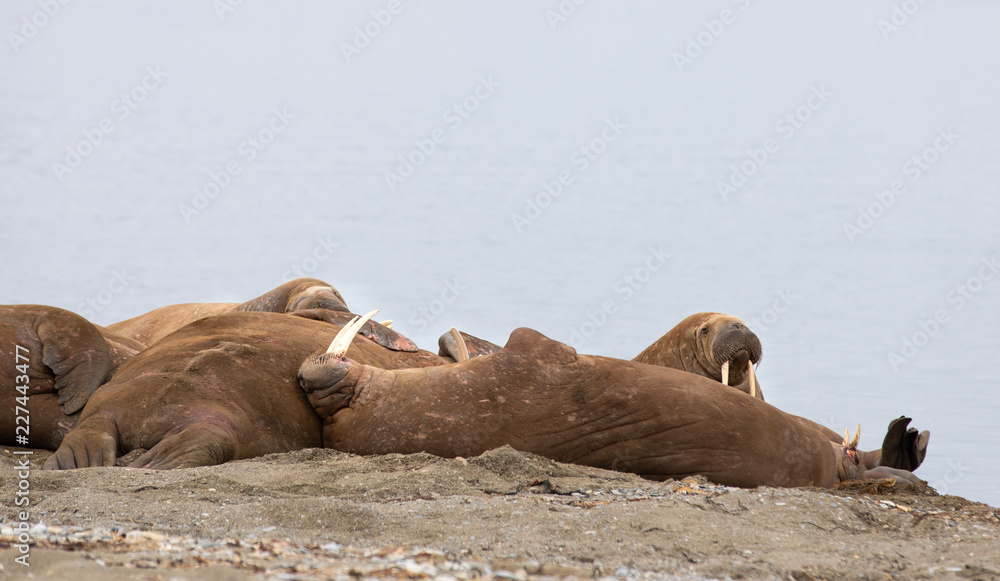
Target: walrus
{"x": 696, "y": 345}
{"x": 57, "y": 359}
{"x": 221, "y": 388}
{"x": 713, "y": 345}
{"x": 301, "y": 294}
{"x": 540, "y": 396}
{"x": 723, "y": 348}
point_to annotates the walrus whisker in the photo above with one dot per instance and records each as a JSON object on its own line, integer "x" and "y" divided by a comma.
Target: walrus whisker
{"x": 463, "y": 350}
{"x": 753, "y": 379}
{"x": 725, "y": 373}
{"x": 386, "y": 323}
{"x": 343, "y": 340}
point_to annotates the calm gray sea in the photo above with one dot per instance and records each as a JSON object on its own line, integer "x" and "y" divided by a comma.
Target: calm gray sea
{"x": 594, "y": 170}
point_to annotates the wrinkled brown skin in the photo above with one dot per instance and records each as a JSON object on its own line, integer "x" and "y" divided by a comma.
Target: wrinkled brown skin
{"x": 295, "y": 295}
{"x": 68, "y": 358}
{"x": 694, "y": 344}
{"x": 222, "y": 388}
{"x": 540, "y": 396}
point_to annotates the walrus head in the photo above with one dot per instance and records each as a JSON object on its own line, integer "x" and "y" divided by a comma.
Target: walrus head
{"x": 712, "y": 345}
{"x": 322, "y": 377}
{"x": 317, "y": 297}
{"x": 731, "y": 348}
{"x": 297, "y": 295}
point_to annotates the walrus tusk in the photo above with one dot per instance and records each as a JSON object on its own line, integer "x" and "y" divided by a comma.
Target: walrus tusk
{"x": 753, "y": 379}
{"x": 857, "y": 438}
{"x": 847, "y": 436}
{"x": 725, "y": 373}
{"x": 343, "y": 339}
{"x": 463, "y": 350}
{"x": 386, "y": 323}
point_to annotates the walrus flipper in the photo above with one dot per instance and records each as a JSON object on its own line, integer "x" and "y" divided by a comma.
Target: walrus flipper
{"x": 901, "y": 476}
{"x": 904, "y": 448}
{"x": 78, "y": 356}
{"x": 476, "y": 347}
{"x": 382, "y": 335}
{"x": 92, "y": 443}
{"x": 201, "y": 444}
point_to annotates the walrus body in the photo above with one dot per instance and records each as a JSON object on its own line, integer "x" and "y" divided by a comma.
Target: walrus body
{"x": 62, "y": 359}
{"x": 296, "y": 295}
{"x": 703, "y": 343}
{"x": 222, "y": 388}
{"x": 539, "y": 396}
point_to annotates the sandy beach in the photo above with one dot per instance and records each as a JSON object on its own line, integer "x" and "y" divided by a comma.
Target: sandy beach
{"x": 320, "y": 514}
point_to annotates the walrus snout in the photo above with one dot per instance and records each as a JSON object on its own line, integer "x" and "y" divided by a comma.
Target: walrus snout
{"x": 322, "y": 372}
{"x": 737, "y": 341}
{"x": 324, "y": 379}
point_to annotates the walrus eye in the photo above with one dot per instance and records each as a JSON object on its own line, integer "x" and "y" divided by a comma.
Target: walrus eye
{"x": 704, "y": 330}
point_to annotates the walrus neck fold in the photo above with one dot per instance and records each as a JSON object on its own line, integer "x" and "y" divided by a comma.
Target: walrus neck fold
{"x": 849, "y": 466}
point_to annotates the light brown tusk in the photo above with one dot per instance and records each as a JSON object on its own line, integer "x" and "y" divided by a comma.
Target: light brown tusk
{"x": 386, "y": 323}
{"x": 343, "y": 340}
{"x": 463, "y": 350}
{"x": 725, "y": 373}
{"x": 857, "y": 438}
{"x": 847, "y": 436}
{"x": 753, "y": 379}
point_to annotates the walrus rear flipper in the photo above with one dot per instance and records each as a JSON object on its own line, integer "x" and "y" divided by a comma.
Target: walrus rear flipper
{"x": 92, "y": 443}
{"x": 476, "y": 347}
{"x": 78, "y": 356}
{"x": 382, "y": 335}
{"x": 903, "y": 448}
{"x": 205, "y": 443}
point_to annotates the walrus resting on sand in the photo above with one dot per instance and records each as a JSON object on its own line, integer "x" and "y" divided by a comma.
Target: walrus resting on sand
{"x": 300, "y": 294}
{"x": 58, "y": 359}
{"x": 540, "y": 396}
{"x": 222, "y": 388}
{"x": 713, "y": 345}
{"x": 723, "y": 348}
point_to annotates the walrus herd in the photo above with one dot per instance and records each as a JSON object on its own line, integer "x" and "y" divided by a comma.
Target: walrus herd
{"x": 205, "y": 383}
